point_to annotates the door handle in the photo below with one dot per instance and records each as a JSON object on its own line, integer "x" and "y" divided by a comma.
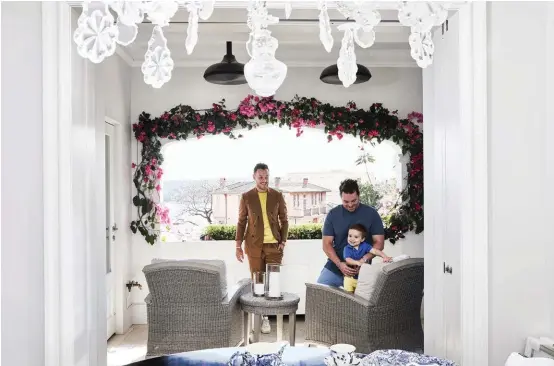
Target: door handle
{"x": 114, "y": 229}
{"x": 446, "y": 268}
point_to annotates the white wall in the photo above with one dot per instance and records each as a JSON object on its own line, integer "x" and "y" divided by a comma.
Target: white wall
{"x": 303, "y": 259}
{"x": 521, "y": 245}
{"x": 396, "y": 88}
{"x": 114, "y": 99}
{"x": 520, "y": 177}
{"x": 22, "y": 197}
{"x": 23, "y": 293}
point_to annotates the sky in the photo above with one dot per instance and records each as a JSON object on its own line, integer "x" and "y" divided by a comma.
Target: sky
{"x": 214, "y": 157}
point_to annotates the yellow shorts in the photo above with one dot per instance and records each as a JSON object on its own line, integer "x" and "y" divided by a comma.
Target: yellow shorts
{"x": 350, "y": 284}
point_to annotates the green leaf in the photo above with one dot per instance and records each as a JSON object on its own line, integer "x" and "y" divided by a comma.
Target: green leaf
{"x": 144, "y": 209}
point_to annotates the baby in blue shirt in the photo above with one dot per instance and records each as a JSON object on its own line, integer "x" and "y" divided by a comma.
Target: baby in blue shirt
{"x": 357, "y": 252}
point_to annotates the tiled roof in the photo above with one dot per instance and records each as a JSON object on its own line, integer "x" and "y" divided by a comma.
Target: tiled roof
{"x": 284, "y": 186}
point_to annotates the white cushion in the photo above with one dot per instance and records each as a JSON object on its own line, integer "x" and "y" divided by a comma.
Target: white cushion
{"x": 367, "y": 277}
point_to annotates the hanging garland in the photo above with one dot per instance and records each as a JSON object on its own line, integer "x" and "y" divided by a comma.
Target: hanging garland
{"x": 182, "y": 122}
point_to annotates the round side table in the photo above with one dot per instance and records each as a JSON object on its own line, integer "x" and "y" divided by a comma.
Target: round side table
{"x": 261, "y": 306}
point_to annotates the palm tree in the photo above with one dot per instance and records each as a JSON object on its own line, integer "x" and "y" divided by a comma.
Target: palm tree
{"x": 368, "y": 194}
{"x": 365, "y": 158}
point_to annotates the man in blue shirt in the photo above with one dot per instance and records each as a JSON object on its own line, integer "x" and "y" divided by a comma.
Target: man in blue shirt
{"x": 335, "y": 233}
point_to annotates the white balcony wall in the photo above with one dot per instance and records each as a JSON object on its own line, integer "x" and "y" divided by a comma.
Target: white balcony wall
{"x": 303, "y": 259}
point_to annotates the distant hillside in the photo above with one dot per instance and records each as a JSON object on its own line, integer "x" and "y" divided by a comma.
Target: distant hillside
{"x": 170, "y": 186}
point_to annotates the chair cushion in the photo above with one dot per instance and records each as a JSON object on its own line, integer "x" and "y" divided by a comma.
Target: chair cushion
{"x": 367, "y": 278}
{"x": 216, "y": 264}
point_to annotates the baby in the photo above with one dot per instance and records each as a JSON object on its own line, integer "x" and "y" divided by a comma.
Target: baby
{"x": 357, "y": 252}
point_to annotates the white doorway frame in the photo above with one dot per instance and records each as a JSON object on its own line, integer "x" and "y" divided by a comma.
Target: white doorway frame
{"x": 474, "y": 242}
{"x": 115, "y": 255}
{"x": 64, "y": 345}
{"x": 119, "y": 250}
{"x": 57, "y": 46}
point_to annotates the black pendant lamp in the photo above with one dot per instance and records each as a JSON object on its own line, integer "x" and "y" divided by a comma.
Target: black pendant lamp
{"x": 228, "y": 72}
{"x": 330, "y": 75}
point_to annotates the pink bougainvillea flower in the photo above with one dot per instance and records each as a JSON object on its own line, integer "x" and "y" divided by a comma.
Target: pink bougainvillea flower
{"x": 211, "y": 127}
{"x": 162, "y": 213}
{"x": 416, "y": 116}
{"x": 247, "y": 110}
{"x": 373, "y": 133}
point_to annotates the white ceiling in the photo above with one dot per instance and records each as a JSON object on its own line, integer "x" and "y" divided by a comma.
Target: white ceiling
{"x": 298, "y": 37}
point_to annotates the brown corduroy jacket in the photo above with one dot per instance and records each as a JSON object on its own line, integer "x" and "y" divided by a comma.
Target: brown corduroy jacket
{"x": 250, "y": 226}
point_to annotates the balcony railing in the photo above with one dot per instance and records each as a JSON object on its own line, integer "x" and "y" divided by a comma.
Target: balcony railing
{"x": 308, "y": 211}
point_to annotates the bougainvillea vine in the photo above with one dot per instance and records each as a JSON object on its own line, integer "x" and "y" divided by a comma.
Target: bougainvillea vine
{"x": 374, "y": 124}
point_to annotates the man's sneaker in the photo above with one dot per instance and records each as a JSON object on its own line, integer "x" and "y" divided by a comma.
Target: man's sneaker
{"x": 266, "y": 328}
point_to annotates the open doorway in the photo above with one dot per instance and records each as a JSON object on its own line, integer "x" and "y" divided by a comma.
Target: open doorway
{"x": 175, "y": 96}
{"x": 111, "y": 228}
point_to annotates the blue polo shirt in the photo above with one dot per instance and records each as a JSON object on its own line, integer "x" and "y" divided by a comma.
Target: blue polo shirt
{"x": 356, "y": 253}
{"x": 339, "y": 220}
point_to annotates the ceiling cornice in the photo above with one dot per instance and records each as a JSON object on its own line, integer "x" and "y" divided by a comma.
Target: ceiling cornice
{"x": 322, "y": 64}
{"x": 276, "y": 4}
{"x": 120, "y": 51}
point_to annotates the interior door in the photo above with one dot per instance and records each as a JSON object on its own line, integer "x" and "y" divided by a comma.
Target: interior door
{"x": 111, "y": 229}
{"x": 445, "y": 197}
{"x": 453, "y": 205}
{"x": 435, "y": 198}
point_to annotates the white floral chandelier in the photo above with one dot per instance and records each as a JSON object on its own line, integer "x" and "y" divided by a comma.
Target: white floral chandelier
{"x": 98, "y": 34}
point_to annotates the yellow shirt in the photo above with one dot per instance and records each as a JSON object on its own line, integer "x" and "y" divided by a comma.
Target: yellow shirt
{"x": 268, "y": 234}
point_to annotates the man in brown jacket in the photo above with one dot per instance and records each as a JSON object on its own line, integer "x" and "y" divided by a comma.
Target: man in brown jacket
{"x": 262, "y": 225}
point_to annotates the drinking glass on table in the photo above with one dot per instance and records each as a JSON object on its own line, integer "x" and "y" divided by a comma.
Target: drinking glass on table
{"x": 258, "y": 284}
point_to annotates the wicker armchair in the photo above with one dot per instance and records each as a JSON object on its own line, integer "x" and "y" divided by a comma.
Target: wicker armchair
{"x": 390, "y": 319}
{"x": 189, "y": 307}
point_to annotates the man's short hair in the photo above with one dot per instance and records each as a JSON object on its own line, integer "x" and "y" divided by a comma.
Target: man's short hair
{"x": 360, "y": 228}
{"x": 349, "y": 186}
{"x": 260, "y": 166}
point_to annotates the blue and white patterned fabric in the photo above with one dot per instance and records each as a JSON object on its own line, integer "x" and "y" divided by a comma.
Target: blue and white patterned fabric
{"x": 395, "y": 357}
{"x": 293, "y": 356}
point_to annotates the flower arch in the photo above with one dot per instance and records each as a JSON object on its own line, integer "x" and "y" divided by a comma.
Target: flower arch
{"x": 376, "y": 123}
